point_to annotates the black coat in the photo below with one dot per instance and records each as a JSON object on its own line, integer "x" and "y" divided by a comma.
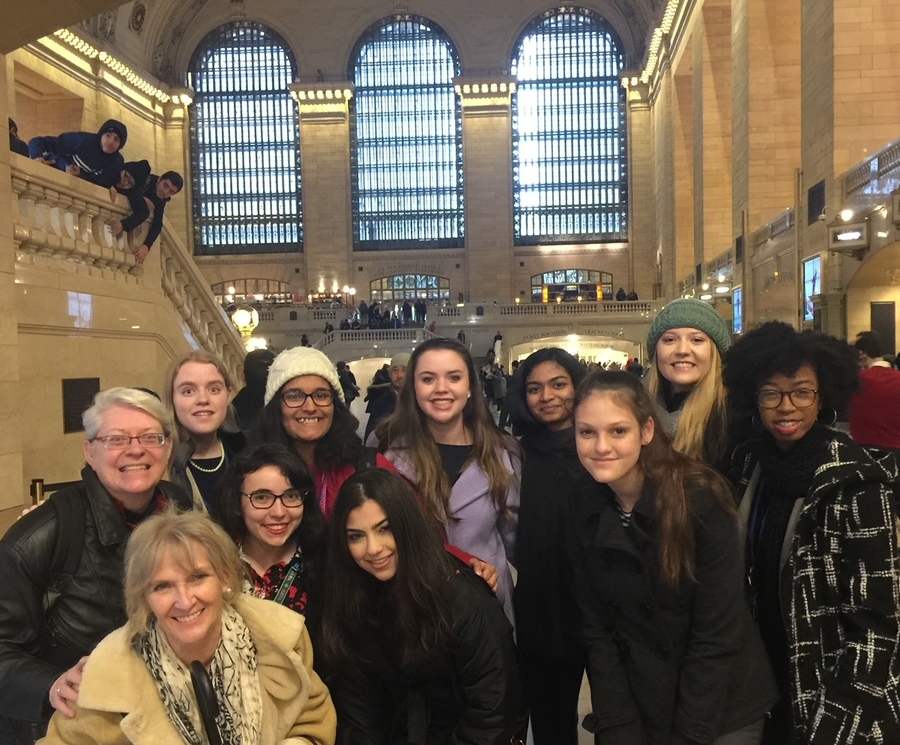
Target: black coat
{"x": 666, "y": 665}
{"x": 81, "y": 149}
{"x": 468, "y": 695}
{"x": 140, "y": 211}
{"x": 547, "y": 618}
{"x": 38, "y": 643}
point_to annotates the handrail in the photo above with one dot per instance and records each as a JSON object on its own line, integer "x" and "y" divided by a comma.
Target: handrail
{"x": 58, "y": 216}
{"x": 872, "y": 168}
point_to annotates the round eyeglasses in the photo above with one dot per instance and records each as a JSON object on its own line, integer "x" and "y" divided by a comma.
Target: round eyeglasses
{"x": 150, "y": 440}
{"x": 263, "y": 499}
{"x": 295, "y": 398}
{"x": 802, "y": 398}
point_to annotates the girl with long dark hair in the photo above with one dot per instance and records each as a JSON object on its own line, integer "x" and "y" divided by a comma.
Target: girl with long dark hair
{"x": 416, "y": 648}
{"x": 442, "y": 437}
{"x": 673, "y": 653}
{"x": 551, "y": 653}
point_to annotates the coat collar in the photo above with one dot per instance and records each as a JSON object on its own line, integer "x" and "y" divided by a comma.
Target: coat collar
{"x": 601, "y": 525}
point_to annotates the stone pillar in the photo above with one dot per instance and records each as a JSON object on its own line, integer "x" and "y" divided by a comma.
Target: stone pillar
{"x": 11, "y": 473}
{"x": 663, "y": 179}
{"x": 683, "y": 165}
{"x": 642, "y": 226}
{"x": 325, "y": 157}
{"x": 487, "y": 163}
{"x": 176, "y": 148}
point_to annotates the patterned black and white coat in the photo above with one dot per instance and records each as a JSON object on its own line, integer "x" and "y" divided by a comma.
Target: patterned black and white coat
{"x": 840, "y": 595}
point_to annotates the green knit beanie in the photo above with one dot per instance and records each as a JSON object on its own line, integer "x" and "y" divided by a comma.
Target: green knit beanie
{"x": 691, "y": 314}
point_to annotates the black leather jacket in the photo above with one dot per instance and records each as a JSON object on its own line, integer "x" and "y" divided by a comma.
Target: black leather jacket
{"x": 48, "y": 622}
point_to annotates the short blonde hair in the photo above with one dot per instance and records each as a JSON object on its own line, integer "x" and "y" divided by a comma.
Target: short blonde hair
{"x": 132, "y": 398}
{"x": 181, "y": 533}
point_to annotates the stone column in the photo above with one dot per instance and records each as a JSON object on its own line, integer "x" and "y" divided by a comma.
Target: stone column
{"x": 642, "y": 226}
{"x": 487, "y": 164}
{"x": 11, "y": 474}
{"x": 325, "y": 158}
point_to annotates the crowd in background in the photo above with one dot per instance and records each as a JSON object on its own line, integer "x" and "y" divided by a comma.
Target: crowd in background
{"x": 697, "y": 538}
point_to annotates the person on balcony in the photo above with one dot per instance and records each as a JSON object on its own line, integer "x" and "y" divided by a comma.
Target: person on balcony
{"x": 94, "y": 157}
{"x": 15, "y": 144}
{"x": 155, "y": 196}
{"x": 62, "y": 562}
{"x": 132, "y": 180}
{"x": 621, "y": 295}
{"x": 686, "y": 342}
{"x": 198, "y": 393}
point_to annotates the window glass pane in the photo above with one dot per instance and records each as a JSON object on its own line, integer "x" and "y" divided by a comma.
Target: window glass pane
{"x": 244, "y": 143}
{"x": 406, "y": 138}
{"x": 569, "y": 154}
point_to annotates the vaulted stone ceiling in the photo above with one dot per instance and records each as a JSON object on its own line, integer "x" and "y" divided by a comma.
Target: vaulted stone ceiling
{"x": 160, "y": 35}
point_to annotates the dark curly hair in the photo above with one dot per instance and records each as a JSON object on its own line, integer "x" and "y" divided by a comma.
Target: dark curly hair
{"x": 777, "y": 348}
{"x": 340, "y": 446}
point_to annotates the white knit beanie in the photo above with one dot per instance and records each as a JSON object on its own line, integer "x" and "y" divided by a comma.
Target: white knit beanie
{"x": 292, "y": 363}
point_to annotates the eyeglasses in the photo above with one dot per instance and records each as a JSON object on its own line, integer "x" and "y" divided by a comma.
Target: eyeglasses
{"x": 263, "y": 499}
{"x": 150, "y": 440}
{"x": 802, "y": 398}
{"x": 295, "y": 398}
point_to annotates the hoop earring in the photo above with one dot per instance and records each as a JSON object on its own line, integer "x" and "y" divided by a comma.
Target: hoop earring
{"x": 833, "y": 418}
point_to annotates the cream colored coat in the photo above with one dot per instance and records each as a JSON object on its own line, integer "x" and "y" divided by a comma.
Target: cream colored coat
{"x": 119, "y": 703}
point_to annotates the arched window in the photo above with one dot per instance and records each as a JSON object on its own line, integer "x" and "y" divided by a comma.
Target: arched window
{"x": 569, "y": 154}
{"x": 571, "y": 285}
{"x": 252, "y": 288}
{"x": 406, "y": 137}
{"x": 245, "y": 156}
{"x": 409, "y": 287}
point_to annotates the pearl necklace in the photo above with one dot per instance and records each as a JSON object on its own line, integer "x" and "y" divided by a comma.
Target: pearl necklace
{"x": 215, "y": 468}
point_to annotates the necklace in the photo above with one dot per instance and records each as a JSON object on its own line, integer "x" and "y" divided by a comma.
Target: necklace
{"x": 215, "y": 468}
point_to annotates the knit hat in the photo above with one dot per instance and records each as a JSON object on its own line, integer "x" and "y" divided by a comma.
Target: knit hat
{"x": 691, "y": 314}
{"x": 116, "y": 127}
{"x": 400, "y": 360}
{"x": 292, "y": 363}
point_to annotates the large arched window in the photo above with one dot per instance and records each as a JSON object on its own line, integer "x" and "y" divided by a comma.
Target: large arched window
{"x": 245, "y": 153}
{"x": 569, "y": 154}
{"x": 399, "y": 287}
{"x": 406, "y": 130}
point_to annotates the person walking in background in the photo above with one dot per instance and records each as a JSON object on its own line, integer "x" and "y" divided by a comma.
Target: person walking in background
{"x": 875, "y": 408}
{"x": 383, "y": 396}
{"x": 248, "y": 403}
{"x": 348, "y": 382}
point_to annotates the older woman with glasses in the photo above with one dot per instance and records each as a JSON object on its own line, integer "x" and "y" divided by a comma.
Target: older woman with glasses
{"x": 198, "y": 661}
{"x": 820, "y": 541}
{"x": 269, "y": 509}
{"x": 61, "y": 563}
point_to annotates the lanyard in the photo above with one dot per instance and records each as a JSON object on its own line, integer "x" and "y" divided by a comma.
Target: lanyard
{"x": 294, "y": 568}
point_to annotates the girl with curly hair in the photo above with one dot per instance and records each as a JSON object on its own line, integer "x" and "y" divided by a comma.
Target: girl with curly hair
{"x": 818, "y": 520}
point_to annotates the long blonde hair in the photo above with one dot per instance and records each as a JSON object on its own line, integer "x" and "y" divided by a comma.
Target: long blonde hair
{"x": 407, "y": 429}
{"x": 701, "y": 429}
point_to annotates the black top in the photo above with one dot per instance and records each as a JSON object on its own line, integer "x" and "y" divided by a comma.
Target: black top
{"x": 208, "y": 481}
{"x": 453, "y": 457}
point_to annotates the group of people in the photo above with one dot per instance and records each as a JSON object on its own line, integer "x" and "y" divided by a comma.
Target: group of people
{"x": 720, "y": 562}
{"x": 388, "y": 316}
{"x": 97, "y": 157}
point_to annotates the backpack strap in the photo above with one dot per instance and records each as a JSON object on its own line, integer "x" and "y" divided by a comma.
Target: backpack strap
{"x": 367, "y": 459}
{"x": 70, "y": 520}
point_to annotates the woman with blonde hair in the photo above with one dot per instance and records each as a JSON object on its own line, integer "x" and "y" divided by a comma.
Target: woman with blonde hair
{"x": 442, "y": 437}
{"x": 686, "y": 342}
{"x": 198, "y": 392}
{"x": 187, "y": 622}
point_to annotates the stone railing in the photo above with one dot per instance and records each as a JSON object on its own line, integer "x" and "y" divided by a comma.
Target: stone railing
{"x": 867, "y": 175}
{"x": 61, "y": 218}
{"x": 369, "y": 336}
{"x": 489, "y": 311}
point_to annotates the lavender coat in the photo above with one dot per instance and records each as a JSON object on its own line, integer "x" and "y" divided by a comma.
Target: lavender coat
{"x": 475, "y": 524}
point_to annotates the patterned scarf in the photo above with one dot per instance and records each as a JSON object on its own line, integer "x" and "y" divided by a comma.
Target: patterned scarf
{"x": 232, "y": 673}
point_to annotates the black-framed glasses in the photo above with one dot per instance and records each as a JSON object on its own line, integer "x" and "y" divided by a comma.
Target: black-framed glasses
{"x": 262, "y": 499}
{"x": 149, "y": 440}
{"x": 802, "y": 398}
{"x": 295, "y": 398}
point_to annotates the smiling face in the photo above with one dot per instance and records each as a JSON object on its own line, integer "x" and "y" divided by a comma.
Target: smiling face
{"x": 371, "y": 542}
{"x": 187, "y": 603}
{"x": 609, "y": 439}
{"x": 129, "y": 475}
{"x": 110, "y": 142}
{"x": 788, "y": 423}
{"x": 272, "y": 527}
{"x": 442, "y": 385}
{"x": 683, "y": 357}
{"x": 550, "y": 395}
{"x": 309, "y": 422}
{"x": 200, "y": 397}
{"x": 165, "y": 189}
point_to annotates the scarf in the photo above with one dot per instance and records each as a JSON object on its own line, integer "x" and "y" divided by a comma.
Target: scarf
{"x": 793, "y": 470}
{"x": 234, "y": 679}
